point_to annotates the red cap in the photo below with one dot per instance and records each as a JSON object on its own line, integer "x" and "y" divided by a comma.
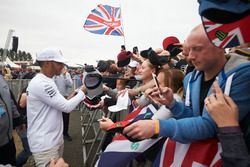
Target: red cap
{"x": 123, "y": 58}
{"x": 169, "y": 40}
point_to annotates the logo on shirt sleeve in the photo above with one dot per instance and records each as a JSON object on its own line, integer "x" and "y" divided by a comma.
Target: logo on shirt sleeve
{"x": 50, "y": 90}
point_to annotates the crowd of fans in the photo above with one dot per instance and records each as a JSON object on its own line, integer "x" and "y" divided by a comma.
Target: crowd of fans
{"x": 200, "y": 91}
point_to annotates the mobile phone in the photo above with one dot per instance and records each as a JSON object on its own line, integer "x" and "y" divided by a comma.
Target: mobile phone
{"x": 157, "y": 84}
{"x": 123, "y": 47}
{"x": 135, "y": 50}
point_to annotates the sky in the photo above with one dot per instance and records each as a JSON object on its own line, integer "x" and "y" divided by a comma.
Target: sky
{"x": 59, "y": 23}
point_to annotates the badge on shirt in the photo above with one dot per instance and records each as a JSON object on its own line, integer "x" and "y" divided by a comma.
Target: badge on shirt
{"x": 50, "y": 90}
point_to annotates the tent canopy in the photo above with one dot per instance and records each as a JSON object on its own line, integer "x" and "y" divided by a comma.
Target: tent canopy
{"x": 11, "y": 64}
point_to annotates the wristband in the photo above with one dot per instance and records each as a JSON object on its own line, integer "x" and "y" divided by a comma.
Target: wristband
{"x": 157, "y": 127}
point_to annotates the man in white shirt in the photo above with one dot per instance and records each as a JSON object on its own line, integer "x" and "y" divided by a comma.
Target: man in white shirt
{"x": 45, "y": 106}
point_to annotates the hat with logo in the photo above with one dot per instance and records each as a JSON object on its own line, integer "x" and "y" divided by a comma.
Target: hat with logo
{"x": 172, "y": 45}
{"x": 51, "y": 54}
{"x": 226, "y": 22}
{"x": 123, "y": 58}
{"x": 93, "y": 82}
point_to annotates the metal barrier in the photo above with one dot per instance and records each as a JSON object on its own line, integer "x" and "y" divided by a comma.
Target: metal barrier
{"x": 92, "y": 136}
{"x": 17, "y": 85}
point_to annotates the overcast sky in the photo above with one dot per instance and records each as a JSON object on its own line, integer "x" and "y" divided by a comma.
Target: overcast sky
{"x": 59, "y": 23}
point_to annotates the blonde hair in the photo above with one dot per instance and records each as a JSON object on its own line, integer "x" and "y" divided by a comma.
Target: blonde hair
{"x": 152, "y": 66}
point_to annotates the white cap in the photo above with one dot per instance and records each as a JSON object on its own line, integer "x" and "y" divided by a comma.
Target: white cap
{"x": 51, "y": 54}
{"x": 122, "y": 103}
{"x": 133, "y": 63}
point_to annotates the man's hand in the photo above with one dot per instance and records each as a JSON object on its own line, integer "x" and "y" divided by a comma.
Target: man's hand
{"x": 83, "y": 88}
{"x": 100, "y": 104}
{"x": 142, "y": 129}
{"x": 105, "y": 123}
{"x": 222, "y": 108}
{"x": 58, "y": 163}
{"x": 105, "y": 88}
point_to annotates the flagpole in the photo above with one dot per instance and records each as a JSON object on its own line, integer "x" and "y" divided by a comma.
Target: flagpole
{"x": 124, "y": 40}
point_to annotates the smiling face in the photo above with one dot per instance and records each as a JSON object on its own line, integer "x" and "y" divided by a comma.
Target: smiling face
{"x": 146, "y": 71}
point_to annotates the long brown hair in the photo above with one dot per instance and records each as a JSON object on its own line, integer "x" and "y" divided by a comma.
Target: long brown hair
{"x": 173, "y": 78}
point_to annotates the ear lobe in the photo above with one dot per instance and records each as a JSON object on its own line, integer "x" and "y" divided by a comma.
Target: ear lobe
{"x": 153, "y": 71}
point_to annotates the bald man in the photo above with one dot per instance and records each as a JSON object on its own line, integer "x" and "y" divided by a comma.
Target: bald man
{"x": 190, "y": 120}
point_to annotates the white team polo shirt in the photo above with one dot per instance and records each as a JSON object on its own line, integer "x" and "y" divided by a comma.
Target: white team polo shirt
{"x": 44, "y": 113}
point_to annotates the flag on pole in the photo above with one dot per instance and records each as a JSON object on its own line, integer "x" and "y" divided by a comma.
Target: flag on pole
{"x": 105, "y": 20}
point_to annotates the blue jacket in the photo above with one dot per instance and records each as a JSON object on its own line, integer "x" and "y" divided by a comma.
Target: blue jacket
{"x": 187, "y": 125}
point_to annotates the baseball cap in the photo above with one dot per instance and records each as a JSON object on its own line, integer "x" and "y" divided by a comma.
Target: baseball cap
{"x": 154, "y": 58}
{"x": 102, "y": 66}
{"x": 172, "y": 45}
{"x": 93, "y": 82}
{"x": 51, "y": 54}
{"x": 225, "y": 11}
{"x": 133, "y": 63}
{"x": 123, "y": 58}
{"x": 226, "y": 22}
{"x": 168, "y": 41}
{"x": 122, "y": 103}
{"x": 227, "y": 35}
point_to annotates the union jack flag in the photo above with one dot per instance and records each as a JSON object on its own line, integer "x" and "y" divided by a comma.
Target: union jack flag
{"x": 121, "y": 151}
{"x": 203, "y": 153}
{"x": 228, "y": 35}
{"x": 104, "y": 19}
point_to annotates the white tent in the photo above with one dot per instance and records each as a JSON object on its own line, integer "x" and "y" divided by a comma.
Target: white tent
{"x": 11, "y": 64}
{"x": 74, "y": 65}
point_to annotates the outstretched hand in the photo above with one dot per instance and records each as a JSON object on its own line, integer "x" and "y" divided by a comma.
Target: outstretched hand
{"x": 105, "y": 123}
{"x": 142, "y": 129}
{"x": 58, "y": 163}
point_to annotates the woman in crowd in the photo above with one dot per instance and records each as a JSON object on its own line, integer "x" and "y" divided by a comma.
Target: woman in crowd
{"x": 145, "y": 73}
